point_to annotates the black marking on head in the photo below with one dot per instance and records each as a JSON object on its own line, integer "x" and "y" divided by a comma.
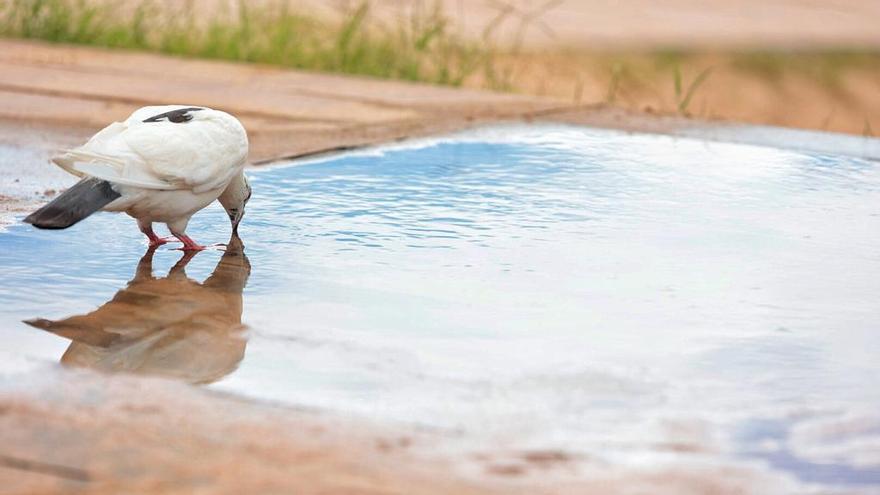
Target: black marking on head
{"x": 178, "y": 116}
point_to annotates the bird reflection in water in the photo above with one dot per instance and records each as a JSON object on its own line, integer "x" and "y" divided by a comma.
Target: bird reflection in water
{"x": 173, "y": 326}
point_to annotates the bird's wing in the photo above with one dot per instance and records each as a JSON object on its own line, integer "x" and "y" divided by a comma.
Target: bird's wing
{"x": 157, "y": 155}
{"x": 195, "y": 155}
{"x": 107, "y": 156}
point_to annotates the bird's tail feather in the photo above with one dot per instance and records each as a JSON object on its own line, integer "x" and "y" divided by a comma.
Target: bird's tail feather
{"x": 77, "y": 329}
{"x": 84, "y": 198}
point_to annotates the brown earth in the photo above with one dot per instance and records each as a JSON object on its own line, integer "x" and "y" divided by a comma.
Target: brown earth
{"x": 811, "y": 92}
{"x": 286, "y": 112}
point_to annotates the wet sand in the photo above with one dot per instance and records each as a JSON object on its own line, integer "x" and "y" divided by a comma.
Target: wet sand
{"x": 68, "y": 432}
{"x": 27, "y": 179}
{"x": 71, "y": 432}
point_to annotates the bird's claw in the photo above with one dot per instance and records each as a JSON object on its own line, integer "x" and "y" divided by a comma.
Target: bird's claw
{"x": 158, "y": 241}
{"x": 191, "y": 248}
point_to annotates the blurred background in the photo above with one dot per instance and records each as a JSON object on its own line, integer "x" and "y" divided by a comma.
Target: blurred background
{"x": 796, "y": 63}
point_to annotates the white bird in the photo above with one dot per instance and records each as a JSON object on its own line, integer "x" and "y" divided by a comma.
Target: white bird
{"x": 162, "y": 164}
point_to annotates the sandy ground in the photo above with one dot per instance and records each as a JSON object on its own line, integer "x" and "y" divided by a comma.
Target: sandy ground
{"x": 74, "y": 431}
{"x": 26, "y": 178}
{"x": 79, "y": 432}
{"x": 782, "y": 95}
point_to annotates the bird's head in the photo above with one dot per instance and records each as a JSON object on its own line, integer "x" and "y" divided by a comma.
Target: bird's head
{"x": 235, "y": 198}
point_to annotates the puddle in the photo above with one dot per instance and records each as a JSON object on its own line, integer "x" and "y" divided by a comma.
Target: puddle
{"x": 630, "y": 299}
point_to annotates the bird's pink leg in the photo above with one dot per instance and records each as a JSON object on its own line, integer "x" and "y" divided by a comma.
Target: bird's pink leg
{"x": 154, "y": 239}
{"x": 188, "y": 243}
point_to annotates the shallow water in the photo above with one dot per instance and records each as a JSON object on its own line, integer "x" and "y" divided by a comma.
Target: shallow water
{"x": 633, "y": 299}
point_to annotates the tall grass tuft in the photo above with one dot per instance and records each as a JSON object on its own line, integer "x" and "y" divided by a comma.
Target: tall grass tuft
{"x": 420, "y": 47}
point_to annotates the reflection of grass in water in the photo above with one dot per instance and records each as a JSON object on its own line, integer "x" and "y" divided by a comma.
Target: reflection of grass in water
{"x": 420, "y": 47}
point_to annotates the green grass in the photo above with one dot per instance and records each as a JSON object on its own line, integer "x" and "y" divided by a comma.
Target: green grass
{"x": 420, "y": 47}
{"x": 683, "y": 95}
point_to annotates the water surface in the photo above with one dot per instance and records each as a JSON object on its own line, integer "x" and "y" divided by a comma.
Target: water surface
{"x": 633, "y": 299}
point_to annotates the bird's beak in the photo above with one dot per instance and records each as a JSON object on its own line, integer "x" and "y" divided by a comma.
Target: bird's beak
{"x": 236, "y": 219}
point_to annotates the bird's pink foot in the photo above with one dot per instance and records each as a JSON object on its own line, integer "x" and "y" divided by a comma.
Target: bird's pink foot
{"x": 155, "y": 240}
{"x": 189, "y": 244}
